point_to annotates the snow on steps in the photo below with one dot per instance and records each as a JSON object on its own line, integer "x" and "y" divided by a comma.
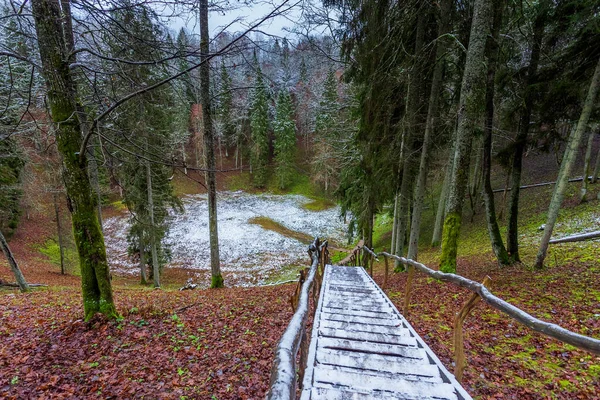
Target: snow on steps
{"x": 363, "y": 348}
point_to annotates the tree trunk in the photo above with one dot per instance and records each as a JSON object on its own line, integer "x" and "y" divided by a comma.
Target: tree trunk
{"x": 432, "y": 114}
{"x": 596, "y": 171}
{"x": 153, "y": 244}
{"x": 468, "y": 117}
{"x": 23, "y": 286}
{"x": 59, "y": 232}
{"x": 587, "y": 162}
{"x": 488, "y": 193}
{"x": 412, "y": 136}
{"x": 440, "y": 214}
{"x": 209, "y": 149}
{"x": 62, "y": 95}
{"x": 394, "y": 225}
{"x": 143, "y": 274}
{"x": 567, "y": 165}
{"x": 512, "y": 233}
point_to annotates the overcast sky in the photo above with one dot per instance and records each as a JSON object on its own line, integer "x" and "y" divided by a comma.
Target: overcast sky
{"x": 248, "y": 15}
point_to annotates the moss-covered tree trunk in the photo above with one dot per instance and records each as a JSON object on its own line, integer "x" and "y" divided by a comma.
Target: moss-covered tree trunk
{"x": 14, "y": 267}
{"x": 209, "y": 149}
{"x": 436, "y": 238}
{"x": 431, "y": 121}
{"x": 62, "y": 99}
{"x": 488, "y": 193}
{"x": 566, "y": 166}
{"x": 512, "y": 233}
{"x": 469, "y": 112}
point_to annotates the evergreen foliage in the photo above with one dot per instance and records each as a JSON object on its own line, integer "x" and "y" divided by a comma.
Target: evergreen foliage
{"x": 259, "y": 123}
{"x": 285, "y": 140}
{"x": 11, "y": 165}
{"x": 147, "y": 133}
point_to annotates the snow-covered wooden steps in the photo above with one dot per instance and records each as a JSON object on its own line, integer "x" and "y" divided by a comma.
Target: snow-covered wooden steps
{"x": 363, "y": 348}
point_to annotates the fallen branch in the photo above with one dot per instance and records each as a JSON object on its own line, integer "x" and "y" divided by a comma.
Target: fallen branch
{"x": 578, "y": 179}
{"x": 14, "y": 285}
{"x": 577, "y": 238}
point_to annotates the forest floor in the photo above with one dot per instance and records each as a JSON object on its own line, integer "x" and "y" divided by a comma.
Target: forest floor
{"x": 219, "y": 344}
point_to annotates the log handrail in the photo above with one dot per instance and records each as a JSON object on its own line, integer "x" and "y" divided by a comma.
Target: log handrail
{"x": 555, "y": 331}
{"x": 283, "y": 373}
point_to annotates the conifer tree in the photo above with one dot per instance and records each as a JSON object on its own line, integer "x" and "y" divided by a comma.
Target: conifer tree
{"x": 226, "y": 107}
{"x": 285, "y": 140}
{"x": 259, "y": 123}
{"x": 326, "y": 131}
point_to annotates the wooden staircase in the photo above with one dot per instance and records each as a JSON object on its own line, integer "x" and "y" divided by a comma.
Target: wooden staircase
{"x": 362, "y": 348}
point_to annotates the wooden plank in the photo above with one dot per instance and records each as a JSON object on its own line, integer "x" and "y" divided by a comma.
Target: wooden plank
{"x": 338, "y": 378}
{"x": 321, "y": 393}
{"x": 367, "y": 347}
{"x": 387, "y": 330}
{"x": 360, "y": 320}
{"x": 355, "y": 313}
{"x": 409, "y": 354}
{"x": 364, "y": 336}
{"x": 373, "y": 362}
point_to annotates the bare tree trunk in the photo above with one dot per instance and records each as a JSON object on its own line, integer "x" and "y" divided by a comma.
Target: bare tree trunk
{"x": 567, "y": 166}
{"x": 488, "y": 193}
{"x": 62, "y": 99}
{"x": 512, "y": 232}
{"x": 596, "y": 171}
{"x": 183, "y": 156}
{"x": 394, "y": 225}
{"x": 209, "y": 151}
{"x": 59, "y": 232}
{"x": 23, "y": 286}
{"x": 587, "y": 162}
{"x": 153, "y": 245}
{"x": 441, "y": 208}
{"x": 432, "y": 114}
{"x": 468, "y": 118}
{"x": 143, "y": 274}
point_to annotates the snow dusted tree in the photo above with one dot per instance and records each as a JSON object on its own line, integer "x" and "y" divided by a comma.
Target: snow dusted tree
{"x": 225, "y": 110}
{"x": 327, "y": 128}
{"x": 147, "y": 129}
{"x": 259, "y": 122}
{"x": 285, "y": 140}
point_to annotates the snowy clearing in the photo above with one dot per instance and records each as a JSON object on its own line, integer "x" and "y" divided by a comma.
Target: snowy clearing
{"x": 248, "y": 252}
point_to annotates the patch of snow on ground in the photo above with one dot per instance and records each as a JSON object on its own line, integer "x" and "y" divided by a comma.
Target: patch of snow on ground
{"x": 246, "y": 250}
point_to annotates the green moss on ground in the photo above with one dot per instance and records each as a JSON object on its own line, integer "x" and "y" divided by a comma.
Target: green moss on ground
{"x": 51, "y": 250}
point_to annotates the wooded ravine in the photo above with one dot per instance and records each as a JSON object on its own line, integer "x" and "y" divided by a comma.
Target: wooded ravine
{"x": 145, "y": 146}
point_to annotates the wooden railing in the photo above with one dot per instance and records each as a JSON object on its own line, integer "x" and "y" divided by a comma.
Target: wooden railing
{"x": 480, "y": 292}
{"x": 284, "y": 380}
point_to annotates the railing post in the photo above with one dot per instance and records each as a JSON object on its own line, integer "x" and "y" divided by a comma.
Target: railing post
{"x": 408, "y": 289}
{"x": 459, "y": 350}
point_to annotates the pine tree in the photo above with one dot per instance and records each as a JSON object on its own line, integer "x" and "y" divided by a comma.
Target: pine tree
{"x": 285, "y": 140}
{"x": 148, "y": 130}
{"x": 259, "y": 122}
{"x": 326, "y": 131}
{"x": 225, "y": 111}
